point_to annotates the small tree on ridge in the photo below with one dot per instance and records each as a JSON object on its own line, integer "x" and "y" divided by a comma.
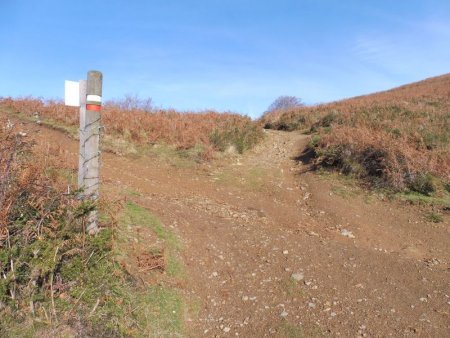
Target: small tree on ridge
{"x": 283, "y": 102}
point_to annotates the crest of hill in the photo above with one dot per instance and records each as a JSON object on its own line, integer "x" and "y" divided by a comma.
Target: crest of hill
{"x": 431, "y": 91}
{"x": 396, "y": 138}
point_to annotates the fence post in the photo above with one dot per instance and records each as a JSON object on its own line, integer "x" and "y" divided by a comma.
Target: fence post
{"x": 91, "y": 163}
{"x": 82, "y": 156}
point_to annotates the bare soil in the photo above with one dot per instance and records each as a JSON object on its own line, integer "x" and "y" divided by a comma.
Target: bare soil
{"x": 271, "y": 249}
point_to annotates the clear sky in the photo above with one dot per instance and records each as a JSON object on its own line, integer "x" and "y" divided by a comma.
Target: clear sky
{"x": 228, "y": 55}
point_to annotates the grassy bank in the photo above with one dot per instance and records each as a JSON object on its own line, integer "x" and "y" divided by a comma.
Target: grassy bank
{"x": 57, "y": 281}
{"x": 398, "y": 139}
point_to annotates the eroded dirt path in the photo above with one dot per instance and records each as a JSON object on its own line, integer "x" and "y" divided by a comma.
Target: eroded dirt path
{"x": 265, "y": 253}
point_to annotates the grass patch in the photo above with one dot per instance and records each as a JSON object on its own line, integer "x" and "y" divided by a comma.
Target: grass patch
{"x": 134, "y": 215}
{"x": 343, "y": 191}
{"x": 158, "y": 308}
{"x": 292, "y": 288}
{"x": 289, "y": 330}
{"x": 179, "y": 158}
{"x": 92, "y": 292}
{"x": 417, "y": 198}
{"x": 256, "y": 177}
{"x": 434, "y": 218}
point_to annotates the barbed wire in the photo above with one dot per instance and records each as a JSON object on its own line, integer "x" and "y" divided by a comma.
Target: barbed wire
{"x": 90, "y": 190}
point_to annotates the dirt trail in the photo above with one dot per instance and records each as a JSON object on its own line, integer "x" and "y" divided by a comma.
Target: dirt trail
{"x": 265, "y": 253}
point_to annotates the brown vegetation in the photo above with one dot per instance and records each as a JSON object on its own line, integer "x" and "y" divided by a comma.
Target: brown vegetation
{"x": 40, "y": 223}
{"x": 398, "y": 138}
{"x": 211, "y": 131}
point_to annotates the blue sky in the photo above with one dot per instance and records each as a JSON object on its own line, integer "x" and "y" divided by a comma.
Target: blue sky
{"x": 233, "y": 55}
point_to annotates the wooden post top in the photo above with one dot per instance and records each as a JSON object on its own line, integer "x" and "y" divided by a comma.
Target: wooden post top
{"x": 94, "y": 83}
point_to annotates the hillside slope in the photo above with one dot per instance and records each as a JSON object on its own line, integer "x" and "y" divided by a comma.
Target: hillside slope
{"x": 270, "y": 249}
{"x": 398, "y": 138}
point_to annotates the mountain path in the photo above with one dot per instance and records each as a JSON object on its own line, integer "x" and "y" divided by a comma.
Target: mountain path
{"x": 272, "y": 250}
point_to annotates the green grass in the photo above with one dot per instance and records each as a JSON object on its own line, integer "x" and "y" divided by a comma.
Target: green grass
{"x": 158, "y": 308}
{"x": 418, "y": 198}
{"x": 134, "y": 214}
{"x": 131, "y": 309}
{"x": 104, "y": 300}
{"x": 434, "y": 217}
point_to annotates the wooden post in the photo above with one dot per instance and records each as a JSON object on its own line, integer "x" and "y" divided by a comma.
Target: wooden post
{"x": 92, "y": 143}
{"x": 82, "y": 156}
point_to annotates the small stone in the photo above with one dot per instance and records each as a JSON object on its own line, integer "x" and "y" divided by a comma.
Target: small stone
{"x": 214, "y": 274}
{"x": 333, "y": 314}
{"x": 226, "y": 329}
{"x": 423, "y": 299}
{"x": 297, "y": 276}
{"x": 347, "y": 233}
{"x": 284, "y": 314}
{"x": 311, "y": 305}
{"x": 245, "y": 298}
{"x": 285, "y": 252}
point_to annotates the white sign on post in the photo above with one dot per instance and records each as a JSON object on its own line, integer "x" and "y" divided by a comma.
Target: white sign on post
{"x": 72, "y": 93}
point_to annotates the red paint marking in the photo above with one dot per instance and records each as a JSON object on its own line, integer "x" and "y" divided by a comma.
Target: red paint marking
{"x": 93, "y": 107}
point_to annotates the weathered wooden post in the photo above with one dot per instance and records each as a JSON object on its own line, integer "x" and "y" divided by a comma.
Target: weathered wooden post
{"x": 91, "y": 163}
{"x": 82, "y": 89}
{"x": 87, "y": 94}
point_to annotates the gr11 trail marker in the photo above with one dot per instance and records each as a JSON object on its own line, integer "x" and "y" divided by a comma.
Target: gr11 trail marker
{"x": 87, "y": 94}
